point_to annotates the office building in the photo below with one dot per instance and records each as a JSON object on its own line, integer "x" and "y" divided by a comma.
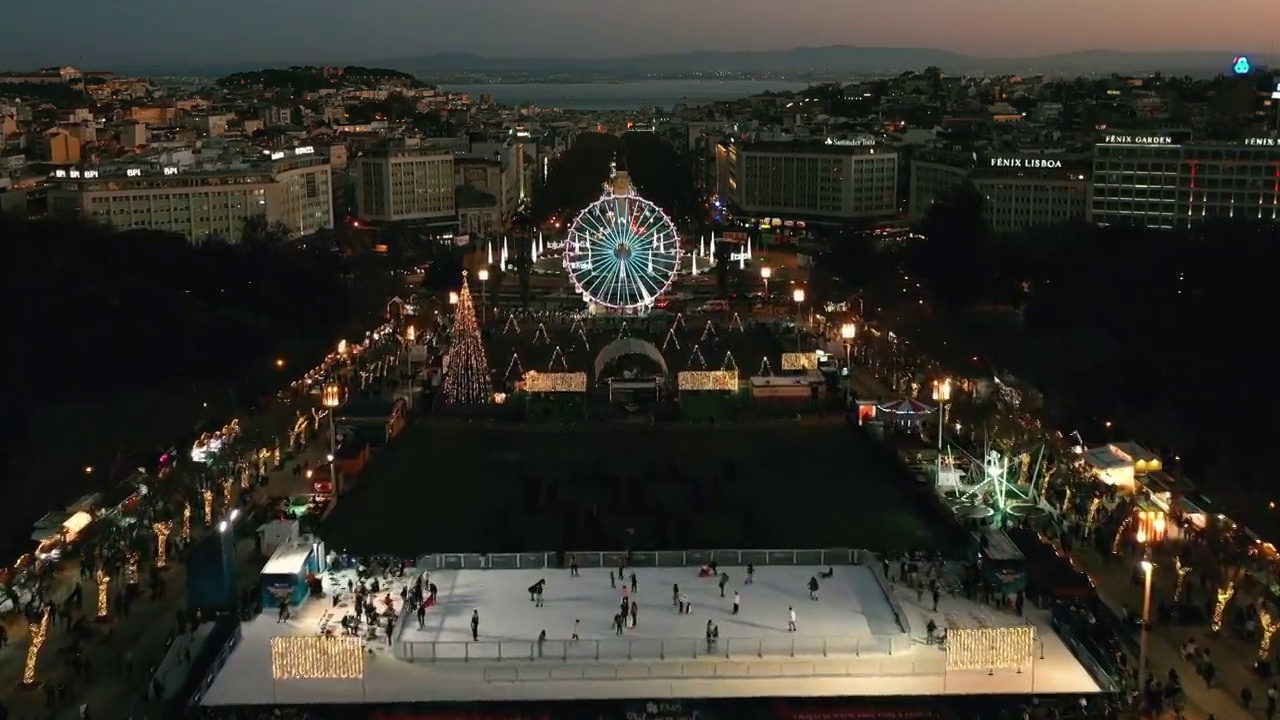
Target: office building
{"x": 406, "y": 184}
{"x": 1019, "y": 190}
{"x": 1168, "y": 180}
{"x": 293, "y": 190}
{"x": 820, "y": 181}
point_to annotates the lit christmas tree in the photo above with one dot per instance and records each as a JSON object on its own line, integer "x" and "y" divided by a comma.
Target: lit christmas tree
{"x": 466, "y": 382}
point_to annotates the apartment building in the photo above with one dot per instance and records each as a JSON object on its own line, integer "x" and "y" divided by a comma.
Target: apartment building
{"x": 292, "y": 189}
{"x": 1168, "y": 180}
{"x": 817, "y": 181}
{"x": 406, "y": 184}
{"x": 1019, "y": 190}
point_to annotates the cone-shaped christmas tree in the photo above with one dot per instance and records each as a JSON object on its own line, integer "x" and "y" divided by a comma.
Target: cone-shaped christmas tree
{"x": 467, "y": 380}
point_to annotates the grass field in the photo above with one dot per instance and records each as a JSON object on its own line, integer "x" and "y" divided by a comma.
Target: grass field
{"x": 449, "y": 487}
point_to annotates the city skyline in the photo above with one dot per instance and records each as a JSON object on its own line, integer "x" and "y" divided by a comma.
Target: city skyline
{"x": 148, "y": 33}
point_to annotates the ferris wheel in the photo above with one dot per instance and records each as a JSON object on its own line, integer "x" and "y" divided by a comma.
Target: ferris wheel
{"x": 622, "y": 251}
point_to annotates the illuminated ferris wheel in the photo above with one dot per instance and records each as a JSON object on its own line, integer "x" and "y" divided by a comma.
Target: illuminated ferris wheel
{"x": 622, "y": 251}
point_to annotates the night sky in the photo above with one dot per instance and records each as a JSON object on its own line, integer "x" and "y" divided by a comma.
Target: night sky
{"x": 91, "y": 33}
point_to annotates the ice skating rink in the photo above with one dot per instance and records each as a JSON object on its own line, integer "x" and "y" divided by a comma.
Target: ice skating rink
{"x": 841, "y": 647}
{"x": 851, "y": 615}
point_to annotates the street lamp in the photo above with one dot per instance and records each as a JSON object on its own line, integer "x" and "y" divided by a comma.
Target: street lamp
{"x": 483, "y": 276}
{"x": 1148, "y": 568}
{"x": 279, "y": 363}
{"x": 848, "y": 332}
{"x": 765, "y": 274}
{"x": 942, "y": 396}
{"x": 798, "y": 296}
{"x": 453, "y": 298}
{"x": 331, "y": 398}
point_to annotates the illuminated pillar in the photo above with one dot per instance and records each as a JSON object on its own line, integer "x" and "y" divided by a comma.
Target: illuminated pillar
{"x": 1269, "y": 626}
{"x": 227, "y": 497}
{"x": 104, "y": 594}
{"x": 39, "y": 631}
{"x": 1094, "y": 504}
{"x": 186, "y": 522}
{"x": 1224, "y": 597}
{"x": 1124, "y": 525}
{"x": 131, "y": 575}
{"x": 1181, "y": 569}
{"x": 162, "y": 530}
{"x": 207, "y": 496}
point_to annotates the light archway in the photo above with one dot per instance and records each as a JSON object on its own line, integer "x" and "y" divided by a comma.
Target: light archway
{"x": 629, "y": 346}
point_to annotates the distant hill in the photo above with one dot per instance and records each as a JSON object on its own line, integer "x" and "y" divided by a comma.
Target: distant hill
{"x": 834, "y": 61}
{"x": 307, "y": 78}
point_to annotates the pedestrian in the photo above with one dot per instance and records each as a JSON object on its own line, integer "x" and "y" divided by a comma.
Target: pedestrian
{"x": 633, "y": 582}
{"x": 724, "y": 580}
{"x": 635, "y": 610}
{"x": 542, "y": 639}
{"x": 613, "y": 584}
{"x": 813, "y": 588}
{"x": 737, "y": 601}
{"x": 574, "y": 636}
{"x": 475, "y": 624}
{"x": 791, "y": 621}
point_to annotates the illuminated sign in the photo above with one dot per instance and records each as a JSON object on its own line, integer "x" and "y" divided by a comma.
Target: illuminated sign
{"x": 74, "y": 173}
{"x": 739, "y": 256}
{"x": 1275, "y": 95}
{"x": 305, "y": 150}
{"x": 171, "y": 171}
{"x": 853, "y": 142}
{"x": 1034, "y": 163}
{"x": 554, "y": 245}
{"x": 133, "y": 172}
{"x": 90, "y": 174}
{"x": 277, "y": 156}
{"x": 1262, "y": 142}
{"x": 1138, "y": 140}
{"x": 1241, "y": 66}
{"x": 59, "y": 173}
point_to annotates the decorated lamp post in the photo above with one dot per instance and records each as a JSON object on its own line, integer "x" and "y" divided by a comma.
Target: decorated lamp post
{"x": 331, "y": 398}
{"x": 798, "y": 296}
{"x": 39, "y": 632}
{"x": 941, "y": 396}
{"x": 483, "y": 277}
{"x": 1148, "y": 568}
{"x": 848, "y": 332}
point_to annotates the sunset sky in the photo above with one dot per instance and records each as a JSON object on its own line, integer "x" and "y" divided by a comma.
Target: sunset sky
{"x": 100, "y": 34}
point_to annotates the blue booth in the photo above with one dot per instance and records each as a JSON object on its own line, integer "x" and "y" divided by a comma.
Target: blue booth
{"x": 285, "y": 574}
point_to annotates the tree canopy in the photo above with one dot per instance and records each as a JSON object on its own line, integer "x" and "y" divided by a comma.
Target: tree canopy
{"x": 307, "y": 78}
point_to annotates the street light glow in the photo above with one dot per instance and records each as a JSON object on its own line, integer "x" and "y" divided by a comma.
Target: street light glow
{"x": 798, "y": 295}
{"x": 1147, "y": 566}
{"x": 483, "y": 274}
{"x": 848, "y": 331}
{"x": 453, "y": 298}
{"x": 766, "y": 272}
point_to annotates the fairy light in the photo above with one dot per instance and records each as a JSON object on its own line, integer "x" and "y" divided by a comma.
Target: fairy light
{"x": 466, "y": 380}
{"x": 227, "y": 497}
{"x": 104, "y": 594}
{"x": 540, "y": 335}
{"x": 697, "y": 380}
{"x": 162, "y": 530}
{"x": 555, "y": 382}
{"x": 515, "y": 365}
{"x": 766, "y": 369}
{"x": 512, "y": 326}
{"x": 1224, "y": 597}
{"x": 557, "y": 354}
{"x": 1094, "y": 505}
{"x": 131, "y": 568}
{"x": 990, "y": 648}
{"x": 708, "y": 332}
{"x": 696, "y": 360}
{"x": 1181, "y": 569}
{"x": 623, "y": 331}
{"x": 729, "y": 364}
{"x": 1270, "y": 624}
{"x": 735, "y": 323}
{"x": 671, "y": 339}
{"x": 799, "y": 361}
{"x": 678, "y": 323}
{"x": 206, "y": 496}
{"x": 577, "y": 326}
{"x": 39, "y": 631}
{"x": 186, "y": 521}
{"x": 586, "y": 344}
{"x": 1115, "y": 542}
{"x": 317, "y": 657}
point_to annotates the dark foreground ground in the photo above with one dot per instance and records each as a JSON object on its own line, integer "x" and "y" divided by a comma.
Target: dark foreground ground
{"x": 450, "y": 486}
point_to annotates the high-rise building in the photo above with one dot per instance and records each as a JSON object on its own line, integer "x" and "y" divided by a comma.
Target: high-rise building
{"x": 406, "y": 184}
{"x": 1019, "y": 190}
{"x": 293, "y": 190}
{"x": 1167, "y": 180}
{"x": 829, "y": 181}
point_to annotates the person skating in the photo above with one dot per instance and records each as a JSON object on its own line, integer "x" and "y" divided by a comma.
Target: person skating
{"x": 613, "y": 582}
{"x": 813, "y": 588}
{"x": 536, "y": 588}
{"x": 633, "y": 582}
{"x": 573, "y": 566}
{"x": 422, "y": 615}
{"x": 475, "y": 624}
{"x": 537, "y": 597}
{"x": 542, "y": 640}
{"x": 751, "y": 574}
{"x": 686, "y": 607}
{"x": 724, "y": 580}
{"x": 635, "y": 610}
{"x": 737, "y": 601}
{"x": 791, "y": 621}
{"x": 675, "y": 594}
{"x": 574, "y": 636}
{"x": 617, "y": 623}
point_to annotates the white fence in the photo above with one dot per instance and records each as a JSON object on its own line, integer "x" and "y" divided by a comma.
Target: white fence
{"x": 643, "y": 558}
{"x": 652, "y": 649}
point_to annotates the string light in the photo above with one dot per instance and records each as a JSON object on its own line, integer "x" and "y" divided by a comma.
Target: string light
{"x": 1115, "y": 542}
{"x": 162, "y": 529}
{"x": 765, "y": 368}
{"x": 557, "y": 354}
{"x": 555, "y": 382}
{"x": 1181, "y": 569}
{"x": 1269, "y": 624}
{"x": 736, "y": 324}
{"x": 131, "y": 576}
{"x": 39, "y": 631}
{"x": 515, "y": 365}
{"x": 799, "y": 361}
{"x": 696, "y": 380}
{"x": 466, "y": 381}
{"x": 582, "y": 335}
{"x": 696, "y": 361}
{"x": 317, "y": 657}
{"x": 671, "y": 339}
{"x": 540, "y": 335}
{"x": 990, "y": 648}
{"x": 577, "y": 326}
{"x": 104, "y": 594}
{"x": 678, "y": 324}
{"x": 1224, "y": 597}
{"x": 729, "y": 364}
{"x": 227, "y": 496}
{"x": 1094, "y": 505}
{"x": 206, "y": 495}
{"x": 708, "y": 331}
{"x": 512, "y": 326}
{"x": 624, "y": 331}
{"x": 186, "y": 521}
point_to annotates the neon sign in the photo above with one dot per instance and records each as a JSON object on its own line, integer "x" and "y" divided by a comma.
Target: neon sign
{"x": 1034, "y": 163}
{"x": 1262, "y": 142}
{"x": 171, "y": 171}
{"x": 305, "y": 150}
{"x": 133, "y": 172}
{"x": 277, "y": 155}
{"x": 1241, "y": 66}
{"x": 1138, "y": 140}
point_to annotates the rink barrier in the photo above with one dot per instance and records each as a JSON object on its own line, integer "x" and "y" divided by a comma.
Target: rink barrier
{"x": 644, "y": 558}
{"x": 651, "y": 649}
{"x": 899, "y": 614}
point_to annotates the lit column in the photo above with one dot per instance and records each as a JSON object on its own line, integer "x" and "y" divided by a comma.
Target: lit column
{"x": 332, "y": 399}
{"x": 848, "y": 332}
{"x": 1148, "y": 568}
{"x": 798, "y": 296}
{"x": 186, "y": 521}
{"x": 483, "y": 276}
{"x": 39, "y": 631}
{"x": 104, "y": 595}
{"x": 162, "y": 529}
{"x": 942, "y": 396}
{"x": 206, "y": 496}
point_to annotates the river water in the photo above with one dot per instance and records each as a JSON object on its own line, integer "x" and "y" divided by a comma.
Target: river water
{"x": 637, "y": 95}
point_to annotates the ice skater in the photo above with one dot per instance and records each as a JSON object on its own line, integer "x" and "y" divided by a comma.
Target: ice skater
{"x": 791, "y": 621}
{"x": 813, "y": 588}
{"x": 537, "y": 596}
{"x": 613, "y": 583}
{"x": 633, "y": 582}
{"x": 751, "y": 574}
{"x": 536, "y": 589}
{"x": 573, "y": 566}
{"x": 574, "y": 636}
{"x": 675, "y": 594}
{"x": 475, "y": 625}
{"x": 635, "y": 610}
{"x": 617, "y": 623}
{"x": 685, "y": 606}
{"x": 724, "y": 580}
{"x": 737, "y": 602}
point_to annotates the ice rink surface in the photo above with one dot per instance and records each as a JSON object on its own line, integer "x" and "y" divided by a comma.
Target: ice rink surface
{"x": 850, "y": 605}
{"x": 755, "y": 657}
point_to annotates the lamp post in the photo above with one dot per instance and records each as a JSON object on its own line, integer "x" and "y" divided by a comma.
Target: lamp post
{"x": 1148, "y": 568}
{"x": 765, "y": 274}
{"x": 798, "y": 296}
{"x": 453, "y": 298}
{"x": 483, "y": 277}
{"x": 942, "y": 396}
{"x": 331, "y": 398}
{"x": 848, "y": 332}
